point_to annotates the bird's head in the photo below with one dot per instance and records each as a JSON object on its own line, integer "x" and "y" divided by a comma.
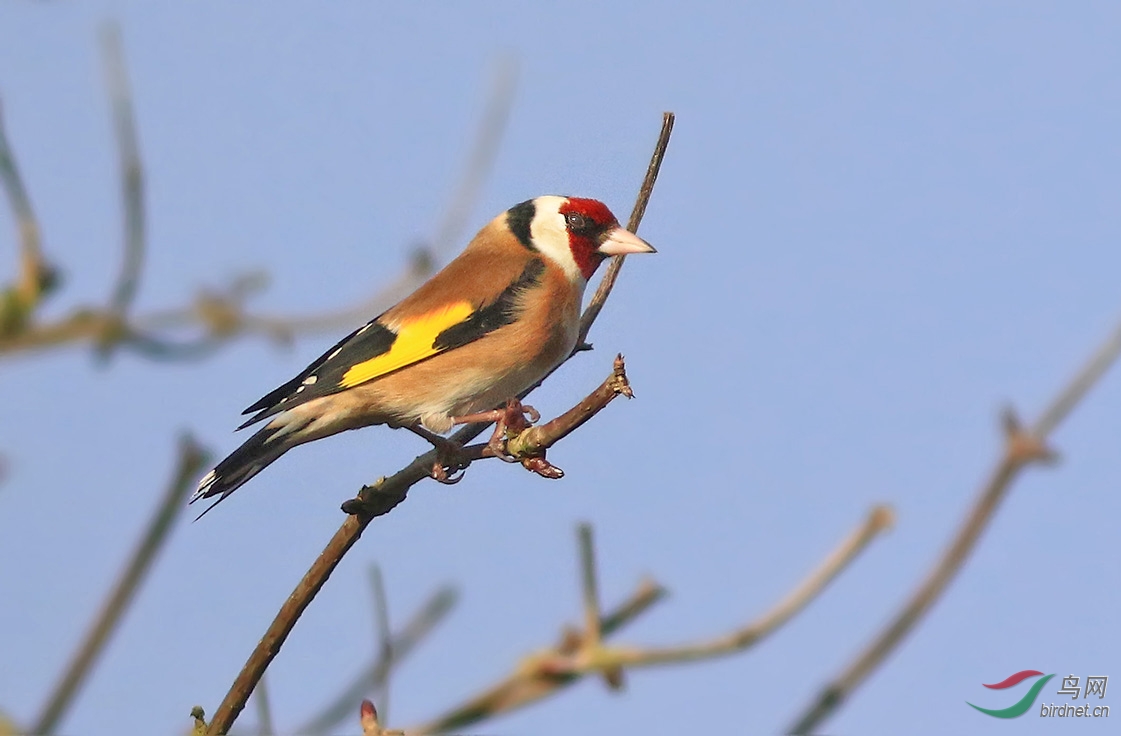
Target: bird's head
{"x": 576, "y": 233}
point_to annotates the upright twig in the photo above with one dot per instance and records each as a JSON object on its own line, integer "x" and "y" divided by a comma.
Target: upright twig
{"x": 484, "y": 151}
{"x": 190, "y": 462}
{"x": 644, "y": 192}
{"x": 1023, "y": 447}
{"x": 589, "y": 585}
{"x": 378, "y": 500}
{"x": 17, "y": 303}
{"x": 430, "y": 613}
{"x": 132, "y": 188}
{"x": 527, "y": 685}
{"x": 385, "y": 638}
{"x": 265, "y": 723}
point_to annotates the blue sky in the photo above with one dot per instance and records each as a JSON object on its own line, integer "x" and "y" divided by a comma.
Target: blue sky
{"x": 877, "y": 225}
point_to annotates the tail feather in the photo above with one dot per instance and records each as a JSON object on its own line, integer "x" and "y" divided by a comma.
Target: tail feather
{"x": 254, "y": 455}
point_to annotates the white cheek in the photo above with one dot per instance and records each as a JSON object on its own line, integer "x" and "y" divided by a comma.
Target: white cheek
{"x": 551, "y": 238}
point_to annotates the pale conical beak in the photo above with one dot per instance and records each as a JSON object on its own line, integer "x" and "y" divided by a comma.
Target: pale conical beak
{"x": 620, "y": 242}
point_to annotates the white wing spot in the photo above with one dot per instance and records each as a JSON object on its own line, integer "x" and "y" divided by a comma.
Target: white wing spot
{"x": 334, "y": 353}
{"x": 310, "y": 380}
{"x": 300, "y": 388}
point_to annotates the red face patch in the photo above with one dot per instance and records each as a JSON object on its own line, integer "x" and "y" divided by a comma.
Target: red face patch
{"x": 586, "y": 221}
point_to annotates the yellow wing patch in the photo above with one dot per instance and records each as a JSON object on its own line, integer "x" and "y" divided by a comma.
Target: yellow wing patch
{"x": 415, "y": 338}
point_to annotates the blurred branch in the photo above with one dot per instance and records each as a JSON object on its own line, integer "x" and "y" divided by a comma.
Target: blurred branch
{"x": 261, "y": 699}
{"x": 132, "y": 186}
{"x": 191, "y": 460}
{"x": 580, "y": 654}
{"x": 484, "y": 151}
{"x": 215, "y": 316}
{"x": 525, "y": 687}
{"x": 415, "y": 631}
{"x": 36, "y": 277}
{"x": 1023, "y": 446}
{"x": 373, "y": 502}
{"x": 385, "y": 637}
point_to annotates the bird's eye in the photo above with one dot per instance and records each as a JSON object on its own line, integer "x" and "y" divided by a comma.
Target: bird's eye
{"x": 576, "y": 222}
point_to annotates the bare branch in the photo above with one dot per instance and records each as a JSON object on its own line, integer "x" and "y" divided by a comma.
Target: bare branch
{"x": 191, "y": 460}
{"x": 35, "y": 275}
{"x": 588, "y": 584}
{"x": 644, "y": 192}
{"x": 265, "y": 721}
{"x": 216, "y": 316}
{"x": 132, "y": 188}
{"x": 371, "y": 503}
{"x": 385, "y": 637}
{"x": 528, "y": 685}
{"x": 1023, "y": 447}
{"x": 415, "y": 631}
{"x": 484, "y": 151}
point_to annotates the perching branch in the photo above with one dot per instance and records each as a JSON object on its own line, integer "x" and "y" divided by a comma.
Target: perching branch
{"x": 580, "y": 653}
{"x": 375, "y": 501}
{"x": 190, "y": 462}
{"x": 1022, "y": 447}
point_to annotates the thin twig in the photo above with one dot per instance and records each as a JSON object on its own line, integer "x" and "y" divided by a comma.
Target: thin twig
{"x": 34, "y": 273}
{"x": 373, "y": 502}
{"x": 132, "y": 187}
{"x": 190, "y": 461}
{"x": 528, "y": 685}
{"x": 484, "y": 151}
{"x": 589, "y": 585}
{"x": 261, "y": 698}
{"x": 644, "y": 192}
{"x": 385, "y": 638}
{"x": 1023, "y": 447}
{"x": 431, "y": 613}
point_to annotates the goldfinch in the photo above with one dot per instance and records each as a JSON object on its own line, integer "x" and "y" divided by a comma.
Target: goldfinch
{"x": 489, "y": 325}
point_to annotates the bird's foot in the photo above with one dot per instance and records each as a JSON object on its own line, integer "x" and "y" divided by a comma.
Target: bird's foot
{"x": 451, "y": 460}
{"x": 509, "y": 421}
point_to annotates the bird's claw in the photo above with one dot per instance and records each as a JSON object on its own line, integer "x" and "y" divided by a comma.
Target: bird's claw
{"x": 439, "y": 473}
{"x": 514, "y": 419}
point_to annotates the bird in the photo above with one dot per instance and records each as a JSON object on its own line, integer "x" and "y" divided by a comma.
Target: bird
{"x": 493, "y": 322}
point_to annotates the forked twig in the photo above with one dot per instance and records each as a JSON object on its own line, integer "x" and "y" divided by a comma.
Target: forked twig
{"x": 580, "y": 653}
